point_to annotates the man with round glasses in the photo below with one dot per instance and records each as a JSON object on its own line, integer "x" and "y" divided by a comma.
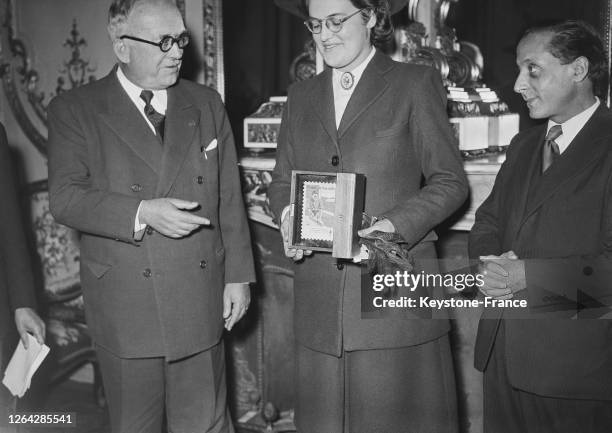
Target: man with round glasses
{"x": 143, "y": 164}
{"x": 166, "y": 42}
{"x": 368, "y": 114}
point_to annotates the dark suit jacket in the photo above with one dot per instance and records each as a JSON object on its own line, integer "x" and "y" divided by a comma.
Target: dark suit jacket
{"x": 563, "y": 214}
{"x": 158, "y": 296}
{"x": 16, "y": 281}
{"x": 394, "y": 131}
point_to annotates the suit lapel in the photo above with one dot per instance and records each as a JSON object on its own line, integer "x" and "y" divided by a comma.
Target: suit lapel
{"x": 588, "y": 146}
{"x": 123, "y": 117}
{"x": 322, "y": 100}
{"x": 182, "y": 120}
{"x": 528, "y": 172}
{"x": 371, "y": 85}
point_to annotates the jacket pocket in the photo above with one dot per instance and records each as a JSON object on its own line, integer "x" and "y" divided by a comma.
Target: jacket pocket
{"x": 96, "y": 268}
{"x": 394, "y": 130}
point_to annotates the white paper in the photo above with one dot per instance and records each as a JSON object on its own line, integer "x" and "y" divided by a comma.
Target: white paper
{"x": 23, "y": 365}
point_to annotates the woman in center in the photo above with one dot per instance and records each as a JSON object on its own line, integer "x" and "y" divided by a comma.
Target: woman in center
{"x": 368, "y": 114}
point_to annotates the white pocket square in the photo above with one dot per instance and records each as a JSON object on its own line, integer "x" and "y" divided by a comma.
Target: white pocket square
{"x": 212, "y": 145}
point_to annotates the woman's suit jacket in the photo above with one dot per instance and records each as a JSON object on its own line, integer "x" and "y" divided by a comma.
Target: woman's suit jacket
{"x": 396, "y": 132}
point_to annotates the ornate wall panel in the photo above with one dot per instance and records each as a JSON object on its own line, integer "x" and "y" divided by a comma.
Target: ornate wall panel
{"x": 213, "y": 44}
{"x": 607, "y": 23}
{"x": 50, "y": 47}
{"x": 46, "y": 48}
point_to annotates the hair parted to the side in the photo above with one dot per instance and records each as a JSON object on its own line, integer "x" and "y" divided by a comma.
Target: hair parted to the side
{"x": 572, "y": 39}
{"x": 120, "y": 10}
{"x": 118, "y": 13}
{"x": 382, "y": 31}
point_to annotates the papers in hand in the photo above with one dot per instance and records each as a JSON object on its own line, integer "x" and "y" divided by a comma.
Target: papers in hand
{"x": 23, "y": 365}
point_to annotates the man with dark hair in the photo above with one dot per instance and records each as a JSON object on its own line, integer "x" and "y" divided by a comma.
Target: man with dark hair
{"x": 17, "y": 297}
{"x": 368, "y": 114}
{"x": 143, "y": 164}
{"x": 572, "y": 39}
{"x": 545, "y": 235}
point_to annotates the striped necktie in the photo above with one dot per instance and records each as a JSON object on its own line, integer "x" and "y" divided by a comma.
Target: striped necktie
{"x": 156, "y": 119}
{"x": 550, "y": 151}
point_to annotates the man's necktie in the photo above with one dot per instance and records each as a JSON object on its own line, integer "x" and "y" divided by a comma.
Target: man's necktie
{"x": 154, "y": 117}
{"x": 550, "y": 151}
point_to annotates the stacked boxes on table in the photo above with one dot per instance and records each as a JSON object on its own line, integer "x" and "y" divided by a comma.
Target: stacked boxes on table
{"x": 260, "y": 137}
{"x": 480, "y": 120}
{"x": 261, "y": 128}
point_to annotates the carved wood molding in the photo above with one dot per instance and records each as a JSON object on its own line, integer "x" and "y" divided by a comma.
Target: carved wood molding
{"x": 20, "y": 80}
{"x": 607, "y": 34}
{"x": 17, "y": 75}
{"x": 213, "y": 45}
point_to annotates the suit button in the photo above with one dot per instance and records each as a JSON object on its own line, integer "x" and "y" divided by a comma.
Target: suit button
{"x": 587, "y": 270}
{"x": 203, "y": 264}
{"x": 200, "y": 180}
{"x": 335, "y": 160}
{"x": 147, "y": 273}
{"x": 149, "y": 230}
{"x": 340, "y": 266}
{"x": 136, "y": 187}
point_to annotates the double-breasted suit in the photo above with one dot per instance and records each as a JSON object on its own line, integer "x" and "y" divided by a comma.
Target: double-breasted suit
{"x": 156, "y": 296}
{"x": 394, "y": 131}
{"x": 560, "y": 223}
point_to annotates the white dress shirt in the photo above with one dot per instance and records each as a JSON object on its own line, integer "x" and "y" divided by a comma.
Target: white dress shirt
{"x": 572, "y": 126}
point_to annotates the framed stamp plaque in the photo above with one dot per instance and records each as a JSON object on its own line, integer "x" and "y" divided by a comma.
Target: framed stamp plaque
{"x": 326, "y": 211}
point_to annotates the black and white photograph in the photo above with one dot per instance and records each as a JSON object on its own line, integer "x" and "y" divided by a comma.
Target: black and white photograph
{"x": 319, "y": 201}
{"x": 305, "y": 216}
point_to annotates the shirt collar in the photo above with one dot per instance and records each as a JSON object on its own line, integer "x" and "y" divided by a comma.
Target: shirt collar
{"x": 357, "y": 71}
{"x": 572, "y": 126}
{"x": 160, "y": 97}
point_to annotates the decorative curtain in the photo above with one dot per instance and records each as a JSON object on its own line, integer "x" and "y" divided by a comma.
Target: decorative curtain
{"x": 260, "y": 42}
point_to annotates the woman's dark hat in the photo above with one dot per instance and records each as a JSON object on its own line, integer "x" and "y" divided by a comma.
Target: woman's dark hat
{"x": 293, "y": 6}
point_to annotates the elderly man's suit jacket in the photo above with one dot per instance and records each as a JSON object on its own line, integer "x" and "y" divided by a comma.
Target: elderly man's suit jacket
{"x": 394, "y": 131}
{"x": 16, "y": 281}
{"x": 158, "y": 296}
{"x": 560, "y": 222}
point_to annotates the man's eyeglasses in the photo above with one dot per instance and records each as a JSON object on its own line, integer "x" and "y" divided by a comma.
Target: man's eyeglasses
{"x": 166, "y": 42}
{"x": 333, "y": 22}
